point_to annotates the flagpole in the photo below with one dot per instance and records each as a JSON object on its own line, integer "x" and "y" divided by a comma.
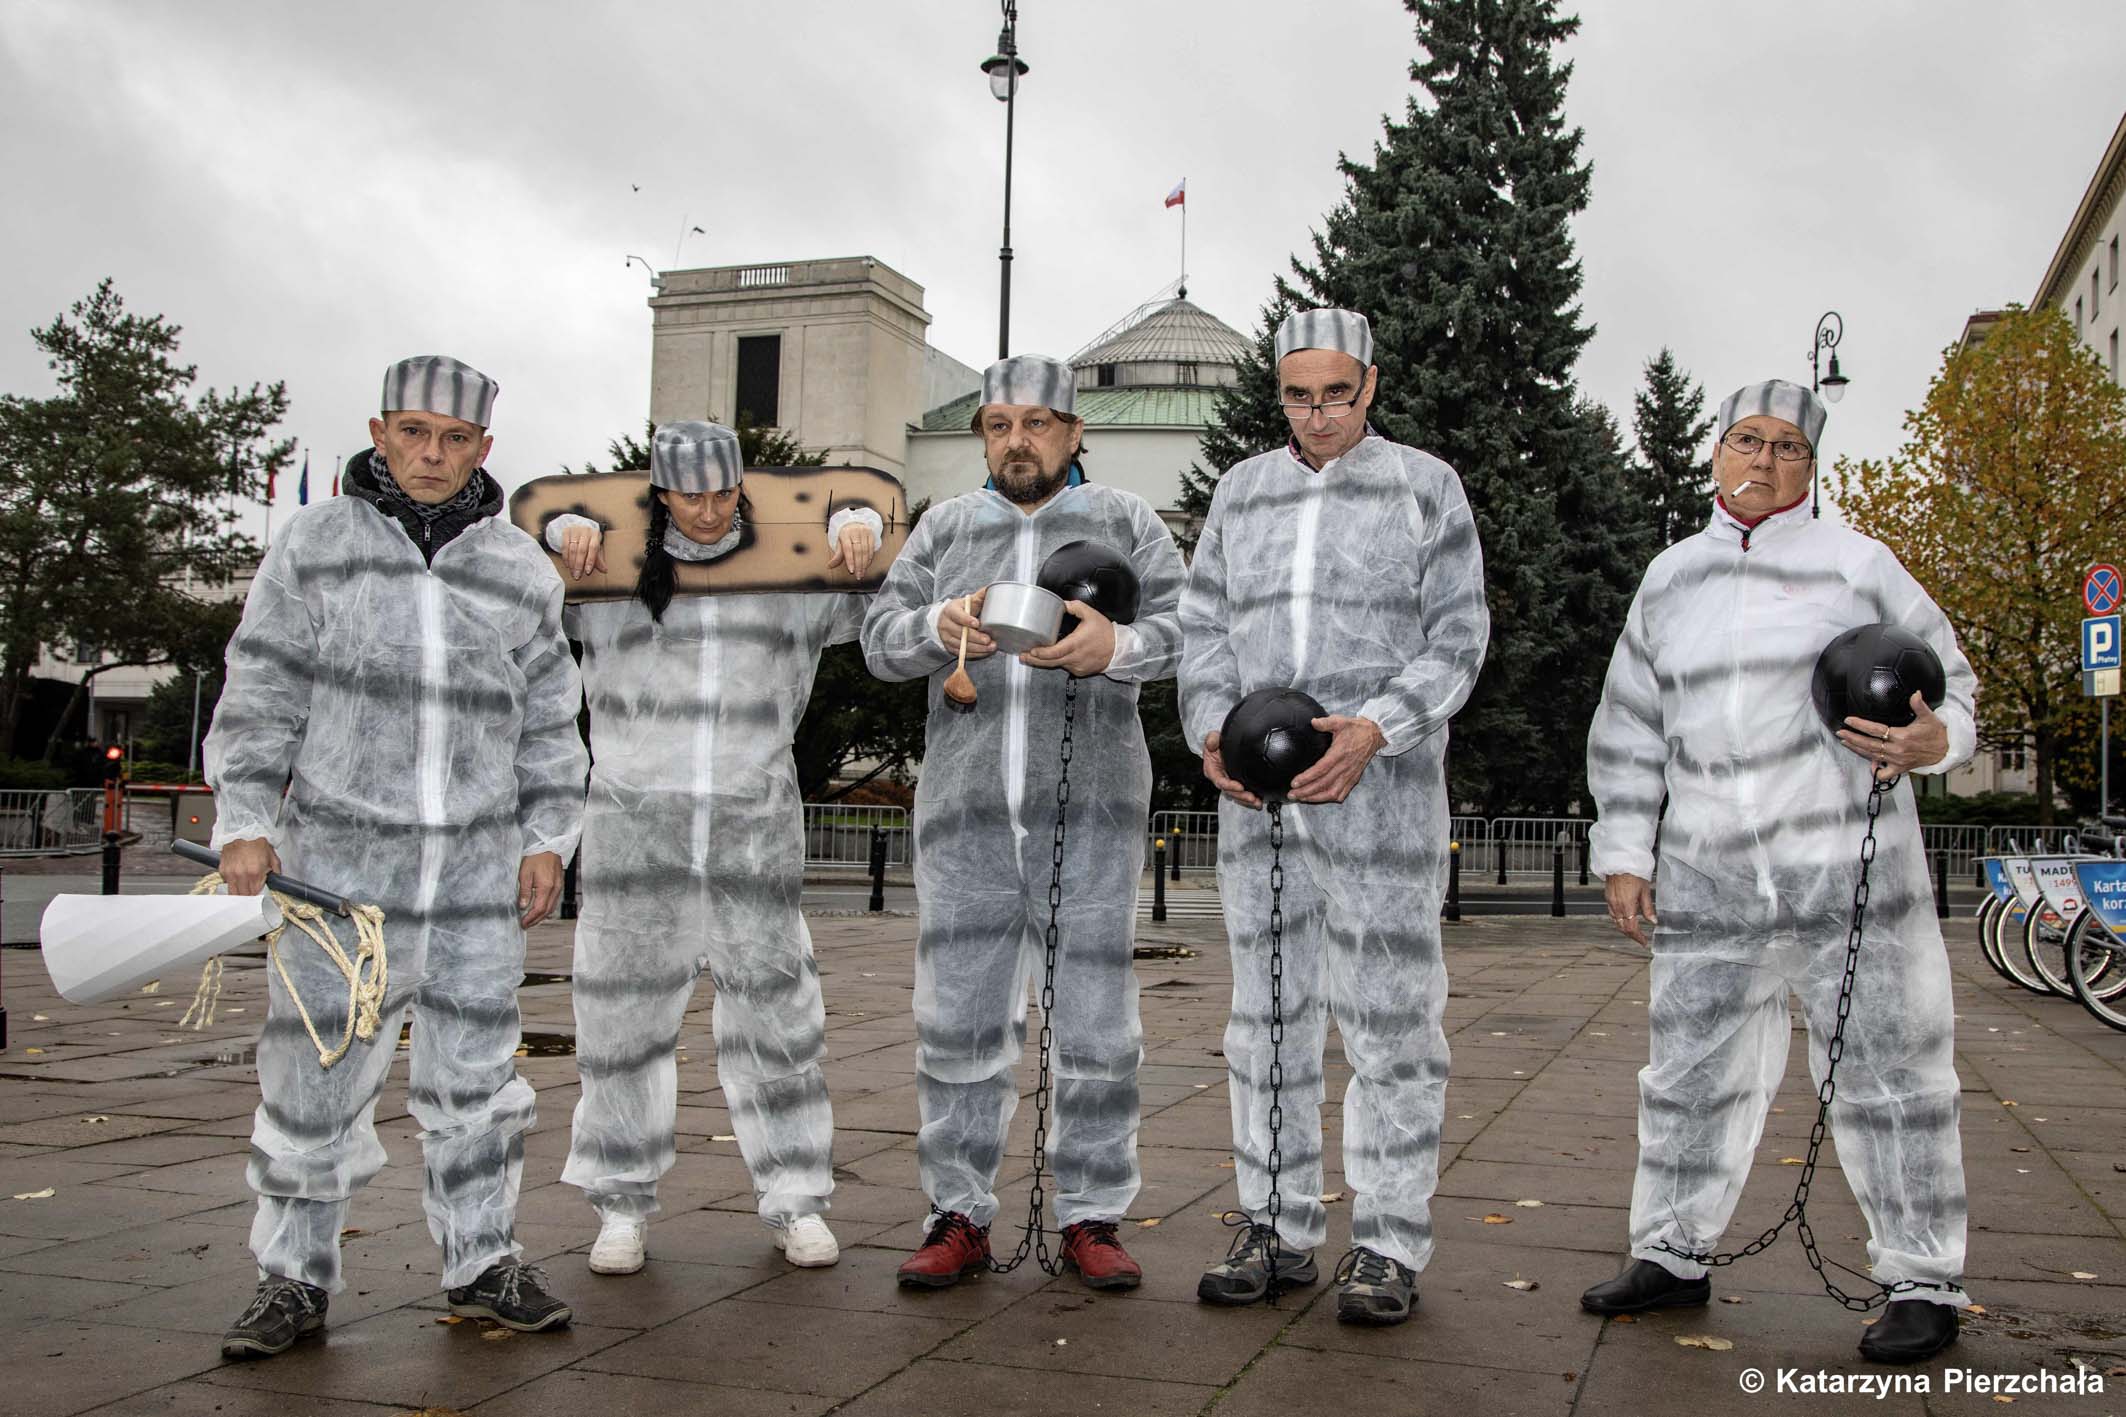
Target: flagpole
{"x": 1184, "y": 238}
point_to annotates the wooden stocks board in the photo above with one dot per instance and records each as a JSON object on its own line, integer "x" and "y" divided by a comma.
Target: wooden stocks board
{"x": 783, "y": 546}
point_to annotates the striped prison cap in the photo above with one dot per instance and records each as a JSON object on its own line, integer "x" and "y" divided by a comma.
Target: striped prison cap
{"x": 1031, "y": 380}
{"x": 1775, "y": 398}
{"x": 436, "y": 383}
{"x": 1345, "y": 331}
{"x": 693, "y": 456}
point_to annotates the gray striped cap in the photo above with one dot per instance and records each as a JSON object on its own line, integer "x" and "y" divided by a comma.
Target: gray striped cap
{"x": 693, "y": 456}
{"x": 1345, "y": 331}
{"x": 1774, "y": 398}
{"x": 1032, "y": 381}
{"x": 436, "y": 383}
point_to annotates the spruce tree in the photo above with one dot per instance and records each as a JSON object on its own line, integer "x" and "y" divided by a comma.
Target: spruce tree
{"x": 1454, "y": 239}
{"x": 1674, "y": 474}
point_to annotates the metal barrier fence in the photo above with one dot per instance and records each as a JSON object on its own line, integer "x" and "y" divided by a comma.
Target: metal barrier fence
{"x": 2027, "y": 840}
{"x": 838, "y": 836}
{"x": 36, "y": 823}
{"x": 1191, "y": 839}
{"x": 1522, "y": 846}
{"x": 1963, "y": 846}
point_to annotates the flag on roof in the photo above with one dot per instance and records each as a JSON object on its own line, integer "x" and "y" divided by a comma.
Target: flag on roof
{"x": 1179, "y": 195}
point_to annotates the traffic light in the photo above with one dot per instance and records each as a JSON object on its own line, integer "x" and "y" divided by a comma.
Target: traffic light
{"x": 114, "y": 755}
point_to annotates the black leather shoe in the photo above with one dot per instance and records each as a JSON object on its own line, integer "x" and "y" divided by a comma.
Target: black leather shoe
{"x": 1645, "y": 1285}
{"x": 1909, "y": 1331}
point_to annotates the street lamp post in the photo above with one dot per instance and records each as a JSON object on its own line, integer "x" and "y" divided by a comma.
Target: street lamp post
{"x": 1005, "y": 69}
{"x": 1829, "y": 330}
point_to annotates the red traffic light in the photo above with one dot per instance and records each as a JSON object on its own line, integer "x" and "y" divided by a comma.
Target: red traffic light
{"x": 114, "y": 753}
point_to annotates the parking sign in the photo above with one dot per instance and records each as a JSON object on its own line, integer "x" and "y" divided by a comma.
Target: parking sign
{"x": 2100, "y": 642}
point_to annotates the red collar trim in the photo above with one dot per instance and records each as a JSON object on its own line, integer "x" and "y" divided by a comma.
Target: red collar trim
{"x": 1752, "y": 522}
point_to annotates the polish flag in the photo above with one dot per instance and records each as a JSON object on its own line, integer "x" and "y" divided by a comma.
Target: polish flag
{"x": 1179, "y": 195}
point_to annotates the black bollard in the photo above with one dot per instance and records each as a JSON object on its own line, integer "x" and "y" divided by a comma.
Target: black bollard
{"x": 3, "y": 985}
{"x": 110, "y": 863}
{"x": 1159, "y": 880}
{"x": 1498, "y": 849}
{"x": 1941, "y": 885}
{"x": 1454, "y": 881}
{"x": 878, "y": 869}
{"x": 568, "y": 886}
{"x": 1584, "y": 849}
{"x": 1174, "y": 857}
{"x": 1557, "y": 878}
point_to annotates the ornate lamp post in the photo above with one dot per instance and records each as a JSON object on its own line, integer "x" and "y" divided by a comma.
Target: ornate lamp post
{"x": 1829, "y": 330}
{"x": 1005, "y": 69}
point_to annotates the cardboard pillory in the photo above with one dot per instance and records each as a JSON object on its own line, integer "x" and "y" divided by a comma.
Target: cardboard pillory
{"x": 783, "y": 546}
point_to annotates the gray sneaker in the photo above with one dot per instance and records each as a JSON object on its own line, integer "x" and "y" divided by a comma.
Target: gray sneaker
{"x": 1243, "y": 1276}
{"x": 515, "y": 1296}
{"x": 1373, "y": 1289}
{"x": 282, "y": 1311}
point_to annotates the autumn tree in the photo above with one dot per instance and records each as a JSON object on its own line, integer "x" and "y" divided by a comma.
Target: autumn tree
{"x": 2011, "y": 481}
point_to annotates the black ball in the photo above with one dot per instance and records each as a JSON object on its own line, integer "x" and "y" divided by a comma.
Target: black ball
{"x": 1269, "y": 738}
{"x": 1098, "y": 575}
{"x": 1872, "y": 672}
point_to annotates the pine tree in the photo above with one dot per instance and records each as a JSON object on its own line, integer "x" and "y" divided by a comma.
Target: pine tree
{"x": 1674, "y": 476}
{"x": 1454, "y": 239}
{"x": 1246, "y": 419}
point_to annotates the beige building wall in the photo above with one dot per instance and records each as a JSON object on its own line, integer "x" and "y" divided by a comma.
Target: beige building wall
{"x": 855, "y": 364}
{"x": 2082, "y": 281}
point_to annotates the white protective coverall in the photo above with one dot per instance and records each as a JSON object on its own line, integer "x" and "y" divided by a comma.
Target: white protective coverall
{"x": 1707, "y": 701}
{"x": 423, "y": 720}
{"x": 985, "y": 818}
{"x": 1362, "y": 584}
{"x": 693, "y": 859}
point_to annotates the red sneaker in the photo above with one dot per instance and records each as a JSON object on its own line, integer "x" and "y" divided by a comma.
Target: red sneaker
{"x": 954, "y": 1249}
{"x": 1090, "y": 1247}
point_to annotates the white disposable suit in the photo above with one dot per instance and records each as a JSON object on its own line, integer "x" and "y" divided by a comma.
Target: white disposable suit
{"x": 422, "y": 719}
{"x": 693, "y": 860}
{"x": 1708, "y": 703}
{"x": 985, "y": 821}
{"x": 1363, "y": 585}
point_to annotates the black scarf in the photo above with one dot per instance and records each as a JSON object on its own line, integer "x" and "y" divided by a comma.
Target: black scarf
{"x": 432, "y": 527}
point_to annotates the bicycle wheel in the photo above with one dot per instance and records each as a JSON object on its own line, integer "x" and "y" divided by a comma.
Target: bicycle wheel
{"x": 1986, "y": 912}
{"x": 2089, "y": 945}
{"x": 2045, "y": 950}
{"x": 2008, "y": 949}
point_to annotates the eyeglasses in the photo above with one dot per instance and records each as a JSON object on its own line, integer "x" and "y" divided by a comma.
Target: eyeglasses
{"x": 1785, "y": 449}
{"x": 1301, "y": 411}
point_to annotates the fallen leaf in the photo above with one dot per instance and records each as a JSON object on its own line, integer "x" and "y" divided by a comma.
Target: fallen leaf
{"x": 1779, "y": 1109}
{"x": 1062, "y": 1343}
{"x": 496, "y": 1335}
{"x": 1201, "y": 1086}
{"x": 1465, "y": 1116}
{"x": 34, "y": 1050}
{"x": 1792, "y": 1161}
{"x": 1705, "y": 1341}
{"x": 2080, "y": 1274}
{"x": 1148, "y": 1224}
{"x": 2006, "y": 1103}
{"x": 2002, "y": 1397}
{"x": 724, "y": 1136}
{"x": 164, "y": 1003}
{"x": 1332, "y": 1197}
{"x": 524, "y": 1052}
{"x": 153, "y": 986}
{"x": 90, "y": 1121}
{"x": 352, "y": 1232}
{"x": 2020, "y": 1150}
{"x": 40, "y": 1018}
{"x": 1524, "y": 1285}
{"x": 2022, "y": 1170}
{"x": 450, "y": 1319}
{"x": 233, "y": 1011}
{"x": 1974, "y": 1308}
{"x": 44, "y": 1195}
{"x": 1496, "y": 1219}
{"x": 1622, "y": 1319}
{"x": 2119, "y": 1372}
{"x": 1733, "y": 1299}
{"x": 1497, "y": 1034}
{"x": 1226, "y": 1165}
{"x": 1529, "y": 1205}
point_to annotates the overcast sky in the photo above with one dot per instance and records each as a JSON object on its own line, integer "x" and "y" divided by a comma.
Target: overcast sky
{"x": 312, "y": 191}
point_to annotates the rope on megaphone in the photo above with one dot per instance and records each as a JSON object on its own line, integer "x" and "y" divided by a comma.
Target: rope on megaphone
{"x": 365, "y": 992}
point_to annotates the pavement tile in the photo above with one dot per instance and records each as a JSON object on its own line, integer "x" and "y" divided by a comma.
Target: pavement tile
{"x": 573, "y": 1390}
{"x": 863, "y": 1279}
{"x": 26, "y": 1302}
{"x": 952, "y": 1389}
{"x": 56, "y": 1369}
{"x": 784, "y": 1347}
{"x": 1129, "y": 1336}
{"x": 203, "y": 1399}
{"x": 1299, "y": 1380}
{"x": 85, "y": 1211}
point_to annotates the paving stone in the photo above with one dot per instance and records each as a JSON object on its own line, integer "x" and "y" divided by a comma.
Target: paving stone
{"x": 1294, "y": 1380}
{"x": 71, "y": 1366}
{"x": 202, "y": 1399}
{"x": 958, "y": 1389}
{"x": 575, "y": 1391}
{"x": 1129, "y": 1336}
{"x": 209, "y": 1305}
{"x": 84, "y": 1211}
{"x": 783, "y": 1347}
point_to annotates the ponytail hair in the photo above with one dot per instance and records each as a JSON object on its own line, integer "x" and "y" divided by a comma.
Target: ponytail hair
{"x": 654, "y": 586}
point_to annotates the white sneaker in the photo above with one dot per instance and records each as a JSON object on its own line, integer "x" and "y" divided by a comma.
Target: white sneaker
{"x": 619, "y": 1248}
{"x": 808, "y": 1243}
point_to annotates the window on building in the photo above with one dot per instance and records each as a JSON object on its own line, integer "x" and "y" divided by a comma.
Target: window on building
{"x": 2114, "y": 356}
{"x": 2013, "y": 757}
{"x": 2092, "y": 293}
{"x": 1185, "y": 372}
{"x": 2114, "y": 263}
{"x": 1105, "y": 376}
{"x": 759, "y": 380}
{"x": 2077, "y": 314}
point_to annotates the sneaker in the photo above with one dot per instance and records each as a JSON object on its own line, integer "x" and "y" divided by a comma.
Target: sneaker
{"x": 282, "y": 1311}
{"x": 955, "y": 1248}
{"x": 1090, "y": 1248}
{"x": 619, "y": 1248}
{"x": 514, "y": 1296}
{"x": 1373, "y": 1289}
{"x": 807, "y": 1243}
{"x": 1243, "y": 1276}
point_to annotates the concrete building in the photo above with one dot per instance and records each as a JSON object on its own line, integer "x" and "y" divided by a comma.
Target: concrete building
{"x": 834, "y": 353}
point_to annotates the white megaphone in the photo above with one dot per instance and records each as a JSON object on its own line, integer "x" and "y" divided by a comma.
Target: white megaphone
{"x": 97, "y": 947}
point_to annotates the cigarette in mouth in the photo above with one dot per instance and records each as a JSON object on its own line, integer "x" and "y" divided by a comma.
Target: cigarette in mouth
{"x": 1744, "y": 486}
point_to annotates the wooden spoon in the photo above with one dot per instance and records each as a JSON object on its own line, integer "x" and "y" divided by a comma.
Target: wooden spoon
{"x": 958, "y": 687}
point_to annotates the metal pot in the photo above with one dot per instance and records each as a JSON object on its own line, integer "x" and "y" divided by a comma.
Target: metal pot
{"x": 1020, "y": 617}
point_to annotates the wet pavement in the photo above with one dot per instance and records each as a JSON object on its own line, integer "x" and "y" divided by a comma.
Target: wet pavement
{"x": 123, "y": 1215}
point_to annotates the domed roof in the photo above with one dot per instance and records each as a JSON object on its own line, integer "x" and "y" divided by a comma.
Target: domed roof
{"x": 1168, "y": 331}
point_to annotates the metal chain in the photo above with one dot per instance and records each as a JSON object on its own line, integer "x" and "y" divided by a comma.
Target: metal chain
{"x": 1274, "y": 1206}
{"x": 1797, "y": 1213}
{"x": 1034, "y": 1238}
